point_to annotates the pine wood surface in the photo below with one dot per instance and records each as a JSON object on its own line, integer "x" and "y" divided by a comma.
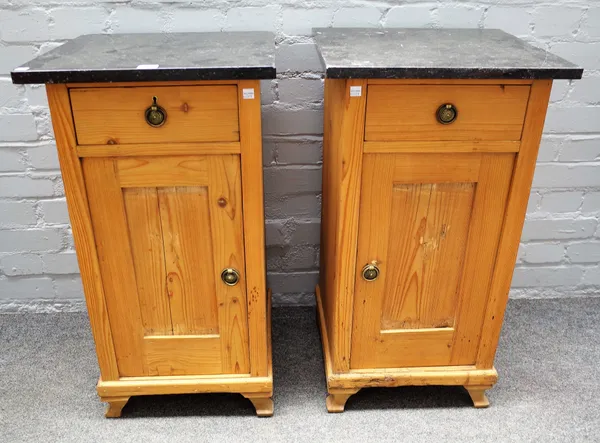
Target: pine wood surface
{"x": 194, "y": 114}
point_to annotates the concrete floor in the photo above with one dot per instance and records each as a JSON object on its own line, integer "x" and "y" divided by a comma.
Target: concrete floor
{"x": 549, "y": 390}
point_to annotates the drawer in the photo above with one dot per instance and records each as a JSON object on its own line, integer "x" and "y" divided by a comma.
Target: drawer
{"x": 118, "y": 115}
{"x": 409, "y": 112}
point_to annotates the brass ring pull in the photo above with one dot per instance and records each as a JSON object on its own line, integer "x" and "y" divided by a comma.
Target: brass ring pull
{"x": 370, "y": 272}
{"x": 155, "y": 115}
{"x": 230, "y": 276}
{"x": 446, "y": 113}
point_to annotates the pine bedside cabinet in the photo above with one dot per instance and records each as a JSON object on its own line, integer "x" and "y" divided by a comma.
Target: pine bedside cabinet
{"x": 430, "y": 143}
{"x": 159, "y": 142}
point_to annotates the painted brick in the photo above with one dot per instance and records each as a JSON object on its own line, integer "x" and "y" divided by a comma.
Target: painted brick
{"x": 575, "y": 119}
{"x": 16, "y": 213}
{"x": 555, "y": 21}
{"x": 357, "y": 17}
{"x": 43, "y": 157}
{"x": 277, "y": 121}
{"x": 24, "y": 25}
{"x": 591, "y": 276}
{"x": 512, "y": 19}
{"x": 68, "y": 288}
{"x": 549, "y": 229}
{"x": 55, "y": 211}
{"x": 13, "y": 56}
{"x": 591, "y": 24}
{"x": 17, "y": 127}
{"x": 11, "y": 160}
{"x": 36, "y": 95}
{"x": 291, "y": 232}
{"x": 534, "y": 202}
{"x": 291, "y": 152}
{"x": 587, "y": 55}
{"x": 561, "y": 202}
{"x": 11, "y": 186}
{"x": 560, "y": 88}
{"x": 546, "y": 277}
{"x": 196, "y": 20}
{"x": 580, "y": 149}
{"x": 301, "y": 21}
{"x": 588, "y": 252}
{"x": 27, "y": 288}
{"x": 591, "y": 202}
{"x": 299, "y": 57}
{"x": 543, "y": 253}
{"x": 409, "y": 16}
{"x": 127, "y": 19}
{"x": 300, "y": 91}
{"x": 586, "y": 90}
{"x": 459, "y": 16}
{"x": 302, "y": 206}
{"x": 291, "y": 258}
{"x": 252, "y": 19}
{"x": 549, "y": 147}
{"x": 292, "y": 180}
{"x": 10, "y": 95}
{"x": 72, "y": 22}
{"x": 60, "y": 263}
{"x": 283, "y": 282}
{"x": 566, "y": 176}
{"x": 31, "y": 240}
{"x": 267, "y": 91}
{"x": 21, "y": 264}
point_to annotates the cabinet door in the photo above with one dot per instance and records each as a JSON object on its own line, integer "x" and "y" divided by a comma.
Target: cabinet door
{"x": 165, "y": 228}
{"x": 430, "y": 223}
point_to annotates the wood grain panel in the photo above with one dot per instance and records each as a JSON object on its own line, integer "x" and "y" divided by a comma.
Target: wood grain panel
{"x": 426, "y": 254}
{"x": 226, "y": 219}
{"x": 408, "y": 112}
{"x": 436, "y": 146}
{"x": 163, "y": 149}
{"x": 188, "y": 245}
{"x": 83, "y": 234}
{"x": 116, "y": 266}
{"x": 163, "y": 171}
{"x": 145, "y": 236}
{"x": 436, "y": 168}
{"x": 194, "y": 114}
{"x": 182, "y": 355}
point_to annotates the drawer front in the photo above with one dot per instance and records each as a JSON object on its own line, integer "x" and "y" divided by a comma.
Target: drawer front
{"x": 118, "y": 115}
{"x": 409, "y": 112}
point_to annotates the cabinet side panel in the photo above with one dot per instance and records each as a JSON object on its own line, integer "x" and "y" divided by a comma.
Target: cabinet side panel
{"x": 254, "y": 226}
{"x": 77, "y": 202}
{"x": 513, "y": 221}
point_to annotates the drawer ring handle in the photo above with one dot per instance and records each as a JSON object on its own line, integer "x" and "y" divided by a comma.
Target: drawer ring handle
{"x": 230, "y": 276}
{"x": 155, "y": 115}
{"x": 370, "y": 272}
{"x": 446, "y": 113}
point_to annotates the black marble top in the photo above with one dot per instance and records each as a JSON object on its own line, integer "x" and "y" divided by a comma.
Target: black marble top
{"x": 154, "y": 57}
{"x": 435, "y": 53}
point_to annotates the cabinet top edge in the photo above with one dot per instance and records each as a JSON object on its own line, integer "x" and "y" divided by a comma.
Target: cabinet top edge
{"x": 415, "y": 53}
{"x": 106, "y": 58}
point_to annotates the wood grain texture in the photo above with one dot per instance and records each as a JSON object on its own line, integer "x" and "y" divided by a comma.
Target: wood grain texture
{"x": 146, "y": 242}
{"x": 436, "y": 146}
{"x": 182, "y": 355}
{"x": 191, "y": 170}
{"x": 79, "y": 214}
{"x": 194, "y": 114}
{"x": 408, "y": 112}
{"x": 116, "y": 266}
{"x": 188, "y": 246}
{"x": 254, "y": 228}
{"x": 162, "y": 149}
{"x": 226, "y": 223}
{"x": 513, "y": 221}
{"x": 447, "y": 81}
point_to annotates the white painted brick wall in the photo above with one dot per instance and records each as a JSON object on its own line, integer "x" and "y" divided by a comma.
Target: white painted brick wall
{"x": 560, "y": 251}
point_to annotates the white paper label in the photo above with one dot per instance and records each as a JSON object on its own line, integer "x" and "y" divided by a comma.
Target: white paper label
{"x": 22, "y": 68}
{"x": 248, "y": 93}
{"x": 147, "y": 66}
{"x": 355, "y": 91}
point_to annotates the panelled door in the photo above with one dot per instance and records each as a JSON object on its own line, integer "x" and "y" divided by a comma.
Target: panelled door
{"x": 428, "y": 234}
{"x": 167, "y": 230}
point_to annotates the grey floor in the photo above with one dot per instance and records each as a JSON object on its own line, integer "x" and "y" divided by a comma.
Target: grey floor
{"x": 548, "y": 391}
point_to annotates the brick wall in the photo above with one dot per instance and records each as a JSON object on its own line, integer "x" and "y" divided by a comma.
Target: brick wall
{"x": 560, "y": 248}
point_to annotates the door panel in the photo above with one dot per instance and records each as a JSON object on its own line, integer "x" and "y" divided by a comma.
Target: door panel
{"x": 433, "y": 235}
{"x": 162, "y": 246}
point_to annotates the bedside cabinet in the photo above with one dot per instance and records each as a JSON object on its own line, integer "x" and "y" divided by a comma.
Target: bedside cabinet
{"x": 430, "y": 144}
{"x": 159, "y": 142}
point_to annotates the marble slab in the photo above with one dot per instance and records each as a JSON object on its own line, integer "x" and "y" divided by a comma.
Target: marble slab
{"x": 154, "y": 57}
{"x": 435, "y": 53}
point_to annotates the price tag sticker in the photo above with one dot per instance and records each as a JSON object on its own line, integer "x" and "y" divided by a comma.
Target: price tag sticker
{"x": 355, "y": 91}
{"x": 248, "y": 93}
